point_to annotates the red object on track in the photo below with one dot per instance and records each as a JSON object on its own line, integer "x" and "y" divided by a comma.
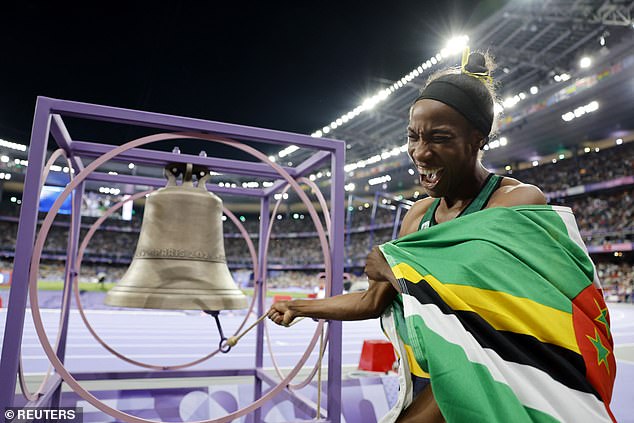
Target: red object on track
{"x": 377, "y": 356}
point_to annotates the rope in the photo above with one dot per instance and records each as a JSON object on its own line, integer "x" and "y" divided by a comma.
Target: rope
{"x": 233, "y": 340}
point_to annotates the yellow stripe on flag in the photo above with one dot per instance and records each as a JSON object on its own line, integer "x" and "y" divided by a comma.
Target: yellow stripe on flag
{"x": 414, "y": 367}
{"x": 501, "y": 310}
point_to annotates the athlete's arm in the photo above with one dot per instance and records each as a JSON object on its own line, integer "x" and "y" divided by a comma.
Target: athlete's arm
{"x": 357, "y": 305}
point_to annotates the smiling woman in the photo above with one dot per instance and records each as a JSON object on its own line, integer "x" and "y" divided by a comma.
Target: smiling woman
{"x": 450, "y": 123}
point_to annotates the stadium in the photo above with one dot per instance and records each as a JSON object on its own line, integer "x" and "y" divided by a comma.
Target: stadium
{"x": 299, "y": 209}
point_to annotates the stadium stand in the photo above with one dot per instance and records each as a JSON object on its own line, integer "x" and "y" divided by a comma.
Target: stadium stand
{"x": 604, "y": 215}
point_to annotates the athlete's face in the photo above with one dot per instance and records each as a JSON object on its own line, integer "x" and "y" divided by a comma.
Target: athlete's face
{"x": 443, "y": 146}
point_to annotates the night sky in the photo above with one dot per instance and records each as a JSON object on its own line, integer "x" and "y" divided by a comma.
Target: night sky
{"x": 292, "y": 66}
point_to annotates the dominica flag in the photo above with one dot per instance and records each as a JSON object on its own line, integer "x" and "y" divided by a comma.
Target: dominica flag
{"x": 503, "y": 310}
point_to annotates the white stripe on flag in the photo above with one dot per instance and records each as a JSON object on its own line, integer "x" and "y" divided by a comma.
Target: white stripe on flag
{"x": 566, "y": 215}
{"x": 533, "y": 387}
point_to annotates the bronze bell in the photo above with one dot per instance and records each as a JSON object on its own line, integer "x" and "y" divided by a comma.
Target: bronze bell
{"x": 179, "y": 262}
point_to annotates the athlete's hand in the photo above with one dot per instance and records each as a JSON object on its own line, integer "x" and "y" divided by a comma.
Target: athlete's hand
{"x": 376, "y": 267}
{"x": 281, "y": 314}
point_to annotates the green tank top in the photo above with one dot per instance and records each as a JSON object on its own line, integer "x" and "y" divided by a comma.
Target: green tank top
{"x": 491, "y": 184}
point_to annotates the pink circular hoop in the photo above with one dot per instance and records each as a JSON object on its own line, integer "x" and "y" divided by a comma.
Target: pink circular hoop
{"x": 46, "y": 225}
{"x": 28, "y": 395}
{"x": 324, "y": 208}
{"x": 80, "y": 308}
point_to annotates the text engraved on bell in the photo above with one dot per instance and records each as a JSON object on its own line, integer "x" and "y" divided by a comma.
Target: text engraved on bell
{"x": 179, "y": 253}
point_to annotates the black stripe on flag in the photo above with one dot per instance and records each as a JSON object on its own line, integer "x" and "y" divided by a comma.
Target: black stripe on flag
{"x": 562, "y": 364}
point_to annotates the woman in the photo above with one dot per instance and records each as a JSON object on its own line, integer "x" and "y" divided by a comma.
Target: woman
{"x": 449, "y": 124}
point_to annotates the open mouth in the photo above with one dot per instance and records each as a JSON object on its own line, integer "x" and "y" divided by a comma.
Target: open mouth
{"x": 429, "y": 177}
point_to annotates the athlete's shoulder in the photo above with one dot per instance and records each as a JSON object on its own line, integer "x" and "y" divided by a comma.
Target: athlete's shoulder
{"x": 512, "y": 192}
{"x": 414, "y": 215}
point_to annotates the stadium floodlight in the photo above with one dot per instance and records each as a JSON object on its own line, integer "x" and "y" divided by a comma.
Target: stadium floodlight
{"x": 4, "y": 159}
{"x": 567, "y": 117}
{"x": 585, "y": 62}
{"x": 619, "y": 141}
{"x": 535, "y": 163}
{"x": 503, "y": 141}
{"x": 379, "y": 180}
{"x": 130, "y": 165}
{"x": 534, "y": 90}
{"x": 586, "y": 150}
{"x": 511, "y": 101}
{"x": 12, "y": 145}
{"x": 591, "y": 107}
{"x": 455, "y": 45}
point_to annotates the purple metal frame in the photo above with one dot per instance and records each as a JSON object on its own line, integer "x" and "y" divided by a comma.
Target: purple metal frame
{"x": 48, "y": 120}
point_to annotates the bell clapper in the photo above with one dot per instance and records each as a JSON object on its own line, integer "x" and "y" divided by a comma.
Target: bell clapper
{"x": 224, "y": 346}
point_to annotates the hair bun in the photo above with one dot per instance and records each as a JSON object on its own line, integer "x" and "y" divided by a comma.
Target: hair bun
{"x": 476, "y": 63}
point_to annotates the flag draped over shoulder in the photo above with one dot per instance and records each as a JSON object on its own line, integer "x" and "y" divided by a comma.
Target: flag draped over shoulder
{"x": 504, "y": 311}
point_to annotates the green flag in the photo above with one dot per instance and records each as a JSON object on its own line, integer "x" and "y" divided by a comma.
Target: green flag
{"x": 503, "y": 310}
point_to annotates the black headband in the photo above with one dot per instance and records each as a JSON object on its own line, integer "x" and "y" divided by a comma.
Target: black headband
{"x": 456, "y": 97}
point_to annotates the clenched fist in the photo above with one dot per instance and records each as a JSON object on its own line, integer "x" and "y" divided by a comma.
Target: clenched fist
{"x": 281, "y": 314}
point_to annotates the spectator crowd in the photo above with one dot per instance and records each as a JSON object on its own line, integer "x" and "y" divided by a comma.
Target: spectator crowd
{"x": 604, "y": 217}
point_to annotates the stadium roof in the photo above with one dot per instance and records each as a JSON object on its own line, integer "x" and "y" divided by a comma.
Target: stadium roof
{"x": 537, "y": 46}
{"x": 534, "y": 43}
